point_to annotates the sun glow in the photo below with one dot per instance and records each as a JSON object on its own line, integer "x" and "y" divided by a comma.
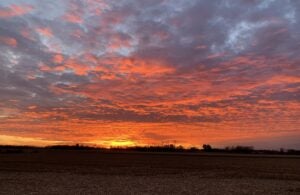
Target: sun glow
{"x": 16, "y": 140}
{"x": 117, "y": 143}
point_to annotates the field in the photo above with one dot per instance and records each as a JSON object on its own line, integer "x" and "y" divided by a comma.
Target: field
{"x": 92, "y": 172}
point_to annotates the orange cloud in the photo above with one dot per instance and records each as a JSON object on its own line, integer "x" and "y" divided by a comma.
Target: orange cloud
{"x": 77, "y": 67}
{"x": 74, "y": 14}
{"x": 15, "y": 10}
{"x": 58, "y": 59}
{"x": 129, "y": 66}
{"x": 19, "y": 140}
{"x": 73, "y": 18}
{"x": 44, "y": 67}
{"x": 283, "y": 79}
{"x": 9, "y": 41}
{"x": 45, "y": 31}
{"x": 144, "y": 67}
{"x": 32, "y": 107}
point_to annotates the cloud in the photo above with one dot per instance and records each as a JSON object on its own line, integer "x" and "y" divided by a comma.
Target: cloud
{"x": 15, "y": 10}
{"x": 45, "y": 32}
{"x": 9, "y": 41}
{"x": 196, "y": 70}
{"x": 58, "y": 59}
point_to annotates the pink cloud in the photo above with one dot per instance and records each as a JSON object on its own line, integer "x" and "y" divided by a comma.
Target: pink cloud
{"x": 73, "y": 18}
{"x": 15, "y": 10}
{"x": 45, "y": 31}
{"x": 58, "y": 59}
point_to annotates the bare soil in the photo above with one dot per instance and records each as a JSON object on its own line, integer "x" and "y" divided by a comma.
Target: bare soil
{"x": 92, "y": 172}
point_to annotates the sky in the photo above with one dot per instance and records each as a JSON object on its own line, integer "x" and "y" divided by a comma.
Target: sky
{"x": 141, "y": 72}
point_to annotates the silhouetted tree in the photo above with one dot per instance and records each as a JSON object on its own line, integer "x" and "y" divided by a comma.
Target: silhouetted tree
{"x": 240, "y": 149}
{"x": 193, "y": 149}
{"x": 207, "y": 147}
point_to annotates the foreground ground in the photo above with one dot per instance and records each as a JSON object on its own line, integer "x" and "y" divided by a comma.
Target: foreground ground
{"x": 91, "y": 172}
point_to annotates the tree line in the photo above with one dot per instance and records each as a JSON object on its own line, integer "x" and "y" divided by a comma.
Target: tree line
{"x": 206, "y": 148}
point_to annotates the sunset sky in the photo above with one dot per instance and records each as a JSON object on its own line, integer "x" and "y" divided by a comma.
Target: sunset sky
{"x": 139, "y": 72}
